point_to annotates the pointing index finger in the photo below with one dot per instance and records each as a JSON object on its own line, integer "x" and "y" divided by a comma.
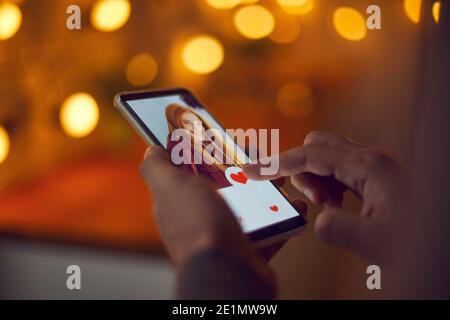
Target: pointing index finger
{"x": 347, "y": 166}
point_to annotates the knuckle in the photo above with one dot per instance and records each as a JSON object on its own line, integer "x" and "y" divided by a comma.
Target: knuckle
{"x": 374, "y": 160}
{"x": 324, "y": 226}
{"x": 313, "y": 136}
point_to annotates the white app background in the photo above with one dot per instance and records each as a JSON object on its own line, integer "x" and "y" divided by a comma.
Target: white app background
{"x": 256, "y": 204}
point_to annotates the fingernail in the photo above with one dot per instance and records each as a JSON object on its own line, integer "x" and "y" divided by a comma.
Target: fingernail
{"x": 250, "y": 165}
{"x": 251, "y": 168}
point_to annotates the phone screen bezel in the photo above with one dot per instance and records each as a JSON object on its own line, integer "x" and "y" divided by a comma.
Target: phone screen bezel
{"x": 284, "y": 226}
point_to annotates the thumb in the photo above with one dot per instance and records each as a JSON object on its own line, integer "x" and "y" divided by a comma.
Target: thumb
{"x": 343, "y": 229}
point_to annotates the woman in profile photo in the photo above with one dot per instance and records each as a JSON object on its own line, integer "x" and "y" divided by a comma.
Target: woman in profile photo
{"x": 222, "y": 157}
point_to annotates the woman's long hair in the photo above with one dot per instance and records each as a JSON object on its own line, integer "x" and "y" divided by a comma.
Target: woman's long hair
{"x": 173, "y": 115}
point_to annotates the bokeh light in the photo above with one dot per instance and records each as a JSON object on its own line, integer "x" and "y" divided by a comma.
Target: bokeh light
{"x": 436, "y": 11}
{"x": 203, "y": 54}
{"x": 296, "y": 6}
{"x": 249, "y": 1}
{"x": 412, "y": 9}
{"x": 142, "y": 69}
{"x": 349, "y": 23}
{"x": 79, "y": 115}
{"x": 110, "y": 15}
{"x": 223, "y": 4}
{"x": 254, "y": 21}
{"x": 295, "y": 100}
{"x": 4, "y": 144}
{"x": 10, "y": 20}
{"x": 287, "y": 30}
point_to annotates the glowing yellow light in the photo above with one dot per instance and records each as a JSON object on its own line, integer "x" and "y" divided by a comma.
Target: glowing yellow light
{"x": 203, "y": 54}
{"x": 296, "y": 6}
{"x": 295, "y": 100}
{"x": 110, "y": 15}
{"x": 10, "y": 20}
{"x": 4, "y": 144}
{"x": 286, "y": 30}
{"x": 412, "y": 9}
{"x": 436, "y": 11}
{"x": 349, "y": 23}
{"x": 254, "y": 22}
{"x": 142, "y": 69}
{"x": 223, "y": 4}
{"x": 79, "y": 115}
{"x": 249, "y": 1}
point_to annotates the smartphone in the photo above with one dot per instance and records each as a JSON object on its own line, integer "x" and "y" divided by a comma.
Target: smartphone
{"x": 263, "y": 210}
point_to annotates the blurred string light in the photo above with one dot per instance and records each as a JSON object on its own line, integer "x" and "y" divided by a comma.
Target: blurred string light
{"x": 10, "y": 20}
{"x": 79, "y": 115}
{"x": 223, "y": 4}
{"x": 436, "y": 11}
{"x": 228, "y": 4}
{"x": 349, "y": 23}
{"x": 203, "y": 54}
{"x": 110, "y": 15}
{"x": 287, "y": 30}
{"x": 296, "y": 6}
{"x": 412, "y": 9}
{"x": 4, "y": 144}
{"x": 254, "y": 21}
{"x": 142, "y": 69}
{"x": 295, "y": 100}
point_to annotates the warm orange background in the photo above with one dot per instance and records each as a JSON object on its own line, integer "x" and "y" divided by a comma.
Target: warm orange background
{"x": 88, "y": 190}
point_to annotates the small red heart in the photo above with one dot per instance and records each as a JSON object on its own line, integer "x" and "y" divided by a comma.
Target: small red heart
{"x": 274, "y": 208}
{"x": 239, "y": 177}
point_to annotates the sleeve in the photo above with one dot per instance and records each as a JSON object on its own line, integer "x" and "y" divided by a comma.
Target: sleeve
{"x": 430, "y": 239}
{"x": 214, "y": 275}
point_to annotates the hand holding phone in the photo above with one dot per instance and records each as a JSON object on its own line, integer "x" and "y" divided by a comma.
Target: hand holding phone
{"x": 168, "y": 118}
{"x": 191, "y": 221}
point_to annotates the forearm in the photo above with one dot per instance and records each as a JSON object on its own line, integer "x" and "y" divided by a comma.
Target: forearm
{"x": 213, "y": 274}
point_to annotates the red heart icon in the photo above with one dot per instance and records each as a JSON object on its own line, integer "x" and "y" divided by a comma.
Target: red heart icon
{"x": 239, "y": 177}
{"x": 274, "y": 208}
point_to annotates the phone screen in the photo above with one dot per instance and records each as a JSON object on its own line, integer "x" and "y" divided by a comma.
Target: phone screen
{"x": 259, "y": 206}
